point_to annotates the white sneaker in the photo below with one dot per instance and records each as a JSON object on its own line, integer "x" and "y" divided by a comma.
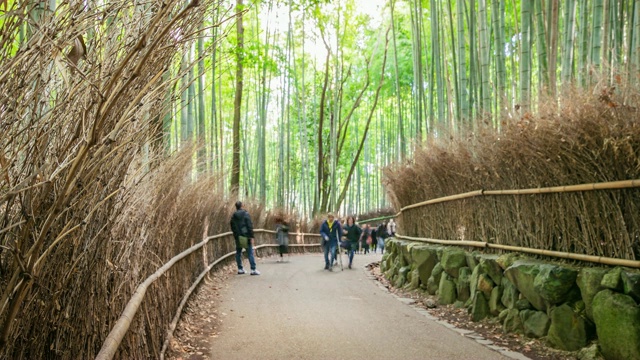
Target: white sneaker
{"x": 241, "y": 271}
{"x": 255, "y": 272}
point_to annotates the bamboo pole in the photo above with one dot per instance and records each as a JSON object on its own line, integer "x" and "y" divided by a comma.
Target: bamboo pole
{"x": 557, "y": 254}
{"x": 380, "y": 218}
{"x": 611, "y": 185}
{"x": 466, "y": 195}
{"x": 568, "y": 255}
{"x": 480, "y": 244}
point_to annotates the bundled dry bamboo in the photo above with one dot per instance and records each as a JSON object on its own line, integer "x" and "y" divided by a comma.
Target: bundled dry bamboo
{"x": 89, "y": 209}
{"x": 581, "y": 141}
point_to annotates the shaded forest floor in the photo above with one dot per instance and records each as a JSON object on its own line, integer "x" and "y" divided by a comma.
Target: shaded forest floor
{"x": 201, "y": 320}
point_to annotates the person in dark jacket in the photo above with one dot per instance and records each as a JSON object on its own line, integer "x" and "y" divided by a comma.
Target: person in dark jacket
{"x": 352, "y": 231}
{"x": 382, "y": 236}
{"x": 241, "y": 226}
{"x": 331, "y": 231}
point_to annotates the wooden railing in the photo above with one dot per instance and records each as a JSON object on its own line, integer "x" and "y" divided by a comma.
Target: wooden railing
{"x": 120, "y": 329}
{"x": 113, "y": 340}
{"x": 612, "y": 185}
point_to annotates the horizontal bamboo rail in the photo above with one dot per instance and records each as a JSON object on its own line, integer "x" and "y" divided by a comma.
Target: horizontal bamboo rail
{"x": 567, "y": 255}
{"x": 119, "y": 330}
{"x": 558, "y": 254}
{"x": 610, "y": 185}
{"x": 378, "y": 218}
{"x": 480, "y": 244}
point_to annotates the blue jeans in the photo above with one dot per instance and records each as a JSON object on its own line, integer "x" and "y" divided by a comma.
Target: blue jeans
{"x": 252, "y": 261}
{"x": 381, "y": 245}
{"x": 352, "y": 251}
{"x": 330, "y": 247}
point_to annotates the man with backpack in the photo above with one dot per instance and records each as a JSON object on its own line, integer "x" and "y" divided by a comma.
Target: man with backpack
{"x": 242, "y": 229}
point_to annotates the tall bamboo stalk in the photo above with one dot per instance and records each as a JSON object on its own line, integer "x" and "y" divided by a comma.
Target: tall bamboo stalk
{"x": 541, "y": 42}
{"x": 525, "y": 56}
{"x": 497, "y": 14}
{"x": 454, "y": 67}
{"x": 583, "y": 42}
{"x": 635, "y": 48}
{"x": 201, "y": 130}
{"x": 418, "y": 93}
{"x": 596, "y": 34}
{"x": 463, "y": 88}
{"x": 473, "y": 59}
{"x": 484, "y": 57}
{"x": 401, "y": 139}
{"x": 607, "y": 53}
{"x": 567, "y": 47}
{"x": 237, "y": 103}
{"x": 552, "y": 63}
{"x": 435, "y": 40}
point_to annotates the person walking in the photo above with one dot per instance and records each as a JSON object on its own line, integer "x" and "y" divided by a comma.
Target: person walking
{"x": 391, "y": 228}
{"x": 242, "y": 229}
{"x": 365, "y": 238}
{"x": 352, "y": 231}
{"x": 374, "y": 239}
{"x": 282, "y": 238}
{"x": 382, "y": 236}
{"x": 331, "y": 231}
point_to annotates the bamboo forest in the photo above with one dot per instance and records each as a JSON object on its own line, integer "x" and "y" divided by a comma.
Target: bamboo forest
{"x": 129, "y": 130}
{"x": 299, "y": 104}
{"x": 326, "y": 93}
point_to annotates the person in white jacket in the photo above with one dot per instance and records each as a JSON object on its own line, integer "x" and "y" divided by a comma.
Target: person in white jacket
{"x": 391, "y": 228}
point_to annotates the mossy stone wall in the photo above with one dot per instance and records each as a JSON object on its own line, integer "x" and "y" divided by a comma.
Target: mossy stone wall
{"x": 568, "y": 306}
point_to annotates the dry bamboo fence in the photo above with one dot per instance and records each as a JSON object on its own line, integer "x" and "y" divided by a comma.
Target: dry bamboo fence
{"x": 119, "y": 330}
{"x": 612, "y": 185}
{"x": 85, "y": 90}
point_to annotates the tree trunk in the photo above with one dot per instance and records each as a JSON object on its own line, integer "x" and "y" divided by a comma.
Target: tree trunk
{"x": 401, "y": 139}
{"x": 237, "y": 101}
{"x": 525, "y": 57}
{"x": 553, "y": 46}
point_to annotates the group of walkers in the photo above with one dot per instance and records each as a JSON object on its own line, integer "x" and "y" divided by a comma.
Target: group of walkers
{"x": 351, "y": 237}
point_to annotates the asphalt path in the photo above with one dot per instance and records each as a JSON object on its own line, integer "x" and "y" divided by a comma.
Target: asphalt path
{"x": 298, "y": 310}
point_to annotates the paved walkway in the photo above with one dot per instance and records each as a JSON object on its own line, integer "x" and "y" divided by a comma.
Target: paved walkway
{"x": 297, "y": 310}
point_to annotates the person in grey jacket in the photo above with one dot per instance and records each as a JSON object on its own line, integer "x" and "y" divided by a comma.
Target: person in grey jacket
{"x": 282, "y": 238}
{"x": 241, "y": 226}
